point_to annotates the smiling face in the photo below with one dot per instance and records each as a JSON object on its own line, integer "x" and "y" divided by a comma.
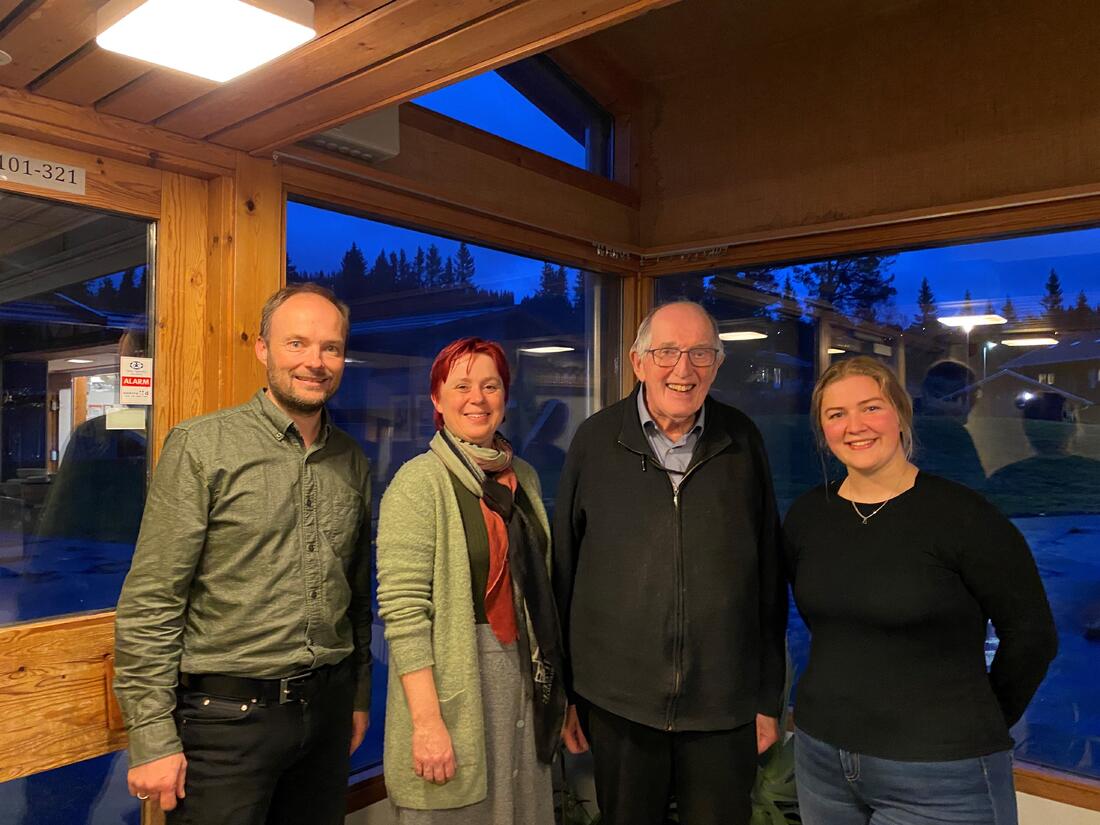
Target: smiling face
{"x": 861, "y": 426}
{"x": 303, "y": 353}
{"x": 673, "y": 395}
{"x": 471, "y": 399}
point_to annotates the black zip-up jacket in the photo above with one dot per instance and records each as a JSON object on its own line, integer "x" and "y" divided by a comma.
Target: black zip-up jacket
{"x": 673, "y": 604}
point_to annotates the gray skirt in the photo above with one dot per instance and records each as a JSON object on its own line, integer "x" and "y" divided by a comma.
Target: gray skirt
{"x": 519, "y": 785}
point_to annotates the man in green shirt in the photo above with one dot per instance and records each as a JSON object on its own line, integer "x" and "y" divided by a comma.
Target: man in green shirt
{"x": 242, "y": 639}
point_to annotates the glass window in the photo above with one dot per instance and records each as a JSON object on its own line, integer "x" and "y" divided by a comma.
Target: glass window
{"x": 92, "y": 792}
{"x": 532, "y": 103}
{"x": 999, "y": 344}
{"x": 410, "y": 294}
{"x": 72, "y": 459}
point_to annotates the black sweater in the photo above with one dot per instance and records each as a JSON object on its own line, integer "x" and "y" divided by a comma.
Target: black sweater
{"x": 897, "y": 612}
{"x": 673, "y": 606}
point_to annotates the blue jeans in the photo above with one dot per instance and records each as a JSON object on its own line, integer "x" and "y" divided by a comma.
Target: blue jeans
{"x": 837, "y": 787}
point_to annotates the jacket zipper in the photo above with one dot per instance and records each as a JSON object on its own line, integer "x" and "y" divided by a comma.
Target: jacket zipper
{"x": 678, "y": 641}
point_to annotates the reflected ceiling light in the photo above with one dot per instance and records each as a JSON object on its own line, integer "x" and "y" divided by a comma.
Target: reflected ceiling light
{"x": 1042, "y": 341}
{"x": 836, "y": 351}
{"x": 742, "y": 335}
{"x": 548, "y": 350}
{"x": 215, "y": 39}
{"x": 968, "y": 322}
{"x": 5, "y": 58}
{"x": 81, "y": 361}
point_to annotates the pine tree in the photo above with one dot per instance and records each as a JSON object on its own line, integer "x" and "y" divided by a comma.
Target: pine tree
{"x": 552, "y": 281}
{"x": 926, "y": 301}
{"x": 292, "y": 273}
{"x": 464, "y": 266}
{"x": 788, "y": 288}
{"x": 350, "y": 282}
{"x": 449, "y": 273}
{"x": 1081, "y": 314}
{"x": 382, "y": 274}
{"x": 417, "y": 275}
{"x": 433, "y": 267}
{"x": 968, "y": 303}
{"x": 989, "y": 310}
{"x": 1008, "y": 310}
{"x": 854, "y": 286}
{"x": 1052, "y": 301}
{"x": 578, "y": 289}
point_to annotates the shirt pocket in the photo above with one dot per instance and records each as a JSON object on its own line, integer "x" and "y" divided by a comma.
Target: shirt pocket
{"x": 341, "y": 515}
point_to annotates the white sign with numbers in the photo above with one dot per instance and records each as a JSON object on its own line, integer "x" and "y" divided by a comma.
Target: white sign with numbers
{"x": 135, "y": 380}
{"x": 43, "y": 174}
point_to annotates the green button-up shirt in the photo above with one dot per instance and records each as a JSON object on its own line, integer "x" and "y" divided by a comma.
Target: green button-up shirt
{"x": 253, "y": 560}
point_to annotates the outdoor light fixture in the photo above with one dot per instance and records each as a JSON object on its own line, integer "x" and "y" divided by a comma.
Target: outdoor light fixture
{"x": 968, "y": 322}
{"x": 548, "y": 350}
{"x": 742, "y": 335}
{"x": 81, "y": 361}
{"x": 1041, "y": 341}
{"x": 215, "y": 39}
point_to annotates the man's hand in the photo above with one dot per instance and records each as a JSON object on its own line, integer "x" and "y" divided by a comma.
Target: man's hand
{"x": 571, "y": 733}
{"x": 360, "y": 721}
{"x": 767, "y": 732}
{"x": 433, "y": 756}
{"x": 161, "y": 780}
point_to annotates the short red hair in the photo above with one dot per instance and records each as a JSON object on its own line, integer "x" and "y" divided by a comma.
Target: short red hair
{"x": 455, "y": 352}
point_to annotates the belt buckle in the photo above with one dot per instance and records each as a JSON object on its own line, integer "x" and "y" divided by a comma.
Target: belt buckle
{"x": 286, "y": 684}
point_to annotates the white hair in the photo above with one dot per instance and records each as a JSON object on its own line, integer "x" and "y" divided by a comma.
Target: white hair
{"x": 643, "y": 339}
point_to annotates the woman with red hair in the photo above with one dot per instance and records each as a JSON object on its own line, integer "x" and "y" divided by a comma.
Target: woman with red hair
{"x": 475, "y": 704}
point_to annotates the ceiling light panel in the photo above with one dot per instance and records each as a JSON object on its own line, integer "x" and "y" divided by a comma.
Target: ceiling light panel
{"x": 215, "y": 39}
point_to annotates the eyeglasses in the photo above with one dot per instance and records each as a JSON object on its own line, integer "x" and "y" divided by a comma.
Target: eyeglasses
{"x": 670, "y": 356}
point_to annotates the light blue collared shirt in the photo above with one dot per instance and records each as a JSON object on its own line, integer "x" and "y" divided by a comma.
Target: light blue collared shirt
{"x": 674, "y": 456}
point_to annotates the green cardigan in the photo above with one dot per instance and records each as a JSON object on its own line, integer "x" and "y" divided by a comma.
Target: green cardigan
{"x": 424, "y": 599}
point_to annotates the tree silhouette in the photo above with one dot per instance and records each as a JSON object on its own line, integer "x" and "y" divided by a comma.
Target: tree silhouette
{"x": 433, "y": 267}
{"x": 1052, "y": 300}
{"x": 350, "y": 281}
{"x": 854, "y": 286}
{"x": 464, "y": 266}
{"x": 926, "y": 302}
{"x": 1081, "y": 315}
{"x": 553, "y": 281}
{"x": 1008, "y": 310}
{"x": 578, "y": 289}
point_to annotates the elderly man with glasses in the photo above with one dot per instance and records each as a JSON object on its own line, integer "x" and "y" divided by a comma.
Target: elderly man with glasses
{"x": 669, "y": 587}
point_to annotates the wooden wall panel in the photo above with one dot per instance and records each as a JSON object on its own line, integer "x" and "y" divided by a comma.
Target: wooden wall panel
{"x": 109, "y": 183}
{"x": 917, "y": 107}
{"x": 53, "y": 694}
{"x": 259, "y": 267}
{"x": 181, "y": 314}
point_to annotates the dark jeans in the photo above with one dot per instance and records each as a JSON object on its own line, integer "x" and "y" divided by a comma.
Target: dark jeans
{"x": 264, "y": 763}
{"x": 837, "y": 787}
{"x": 636, "y": 767}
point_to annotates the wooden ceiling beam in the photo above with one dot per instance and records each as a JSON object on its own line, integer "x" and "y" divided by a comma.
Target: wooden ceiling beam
{"x": 518, "y": 30}
{"x": 89, "y": 75}
{"x": 393, "y": 28}
{"x": 43, "y": 34}
{"x": 78, "y": 127}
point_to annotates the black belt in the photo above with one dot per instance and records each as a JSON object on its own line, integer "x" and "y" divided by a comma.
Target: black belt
{"x": 297, "y": 688}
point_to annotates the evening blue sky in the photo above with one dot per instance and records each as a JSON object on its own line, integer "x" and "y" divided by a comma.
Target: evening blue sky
{"x": 317, "y": 239}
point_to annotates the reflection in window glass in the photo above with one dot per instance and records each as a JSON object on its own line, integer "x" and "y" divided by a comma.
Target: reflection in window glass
{"x": 999, "y": 345}
{"x": 72, "y": 467}
{"x": 532, "y": 103}
{"x": 92, "y": 792}
{"x": 412, "y": 293}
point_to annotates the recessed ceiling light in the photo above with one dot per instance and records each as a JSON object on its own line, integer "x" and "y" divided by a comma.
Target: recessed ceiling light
{"x": 742, "y": 335}
{"x": 548, "y": 350}
{"x": 81, "y": 361}
{"x": 1040, "y": 341}
{"x": 215, "y": 39}
{"x": 836, "y": 351}
{"x": 971, "y": 321}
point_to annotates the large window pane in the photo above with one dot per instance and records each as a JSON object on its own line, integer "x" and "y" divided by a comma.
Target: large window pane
{"x": 410, "y": 294}
{"x": 92, "y": 792}
{"x": 1008, "y": 404}
{"x": 72, "y": 460}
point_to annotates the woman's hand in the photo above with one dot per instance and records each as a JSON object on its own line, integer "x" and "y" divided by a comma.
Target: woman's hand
{"x": 433, "y": 756}
{"x": 571, "y": 732}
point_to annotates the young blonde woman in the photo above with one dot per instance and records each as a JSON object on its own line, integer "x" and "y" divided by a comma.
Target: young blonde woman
{"x": 896, "y": 573}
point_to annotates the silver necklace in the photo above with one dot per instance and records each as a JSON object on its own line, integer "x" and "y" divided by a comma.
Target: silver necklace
{"x": 869, "y": 516}
{"x": 873, "y": 513}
